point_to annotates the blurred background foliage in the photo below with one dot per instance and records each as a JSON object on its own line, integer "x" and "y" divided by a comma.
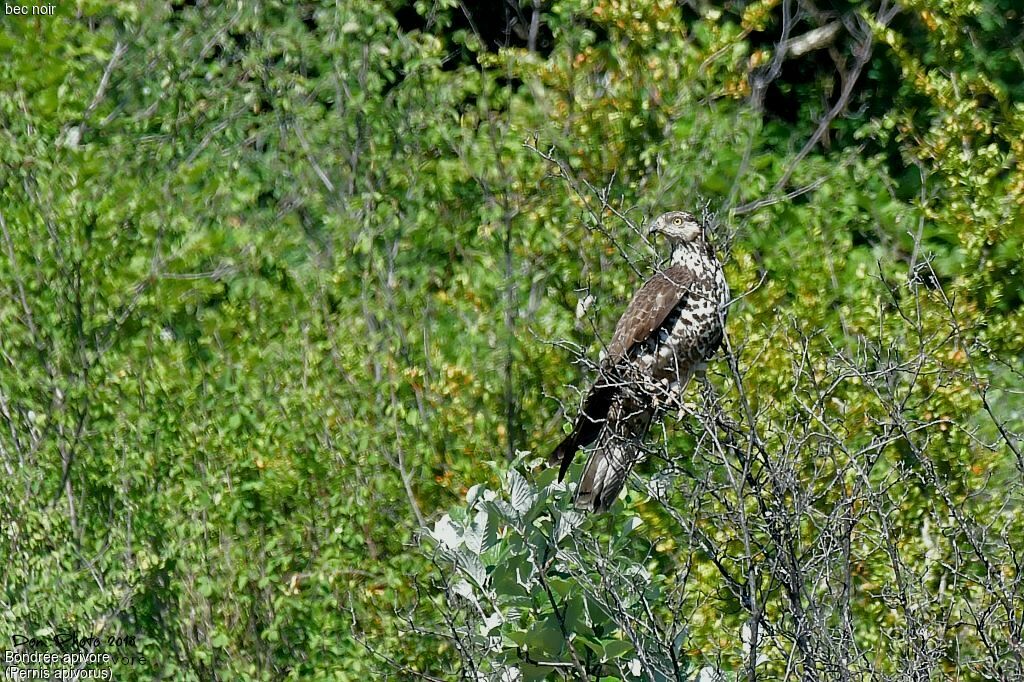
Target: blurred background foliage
{"x": 279, "y": 280}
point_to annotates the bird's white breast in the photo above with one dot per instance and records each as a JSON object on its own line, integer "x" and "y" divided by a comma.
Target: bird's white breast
{"x": 693, "y": 331}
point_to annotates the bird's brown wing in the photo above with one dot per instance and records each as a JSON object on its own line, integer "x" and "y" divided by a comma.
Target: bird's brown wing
{"x": 648, "y": 310}
{"x": 645, "y": 313}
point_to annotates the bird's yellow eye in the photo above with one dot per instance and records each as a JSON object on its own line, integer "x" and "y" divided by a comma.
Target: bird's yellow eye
{"x": 678, "y": 221}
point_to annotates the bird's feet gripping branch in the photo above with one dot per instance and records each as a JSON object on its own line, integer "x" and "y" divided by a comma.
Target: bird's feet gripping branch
{"x": 673, "y": 325}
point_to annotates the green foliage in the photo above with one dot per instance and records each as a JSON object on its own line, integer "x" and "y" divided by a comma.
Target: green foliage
{"x": 530, "y": 597}
{"x": 277, "y": 279}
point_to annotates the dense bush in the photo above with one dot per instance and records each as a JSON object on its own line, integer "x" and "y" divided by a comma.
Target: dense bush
{"x": 281, "y": 283}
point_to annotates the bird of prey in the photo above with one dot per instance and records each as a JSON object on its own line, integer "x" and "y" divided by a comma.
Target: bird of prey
{"x": 669, "y": 331}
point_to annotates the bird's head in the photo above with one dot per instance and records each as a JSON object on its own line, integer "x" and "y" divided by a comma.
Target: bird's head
{"x": 679, "y": 226}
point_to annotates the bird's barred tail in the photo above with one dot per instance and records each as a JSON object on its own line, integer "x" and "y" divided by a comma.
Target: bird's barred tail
{"x": 604, "y": 475}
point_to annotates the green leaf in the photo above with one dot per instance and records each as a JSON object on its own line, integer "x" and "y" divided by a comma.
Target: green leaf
{"x": 545, "y": 639}
{"x": 617, "y": 648}
{"x": 520, "y": 493}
